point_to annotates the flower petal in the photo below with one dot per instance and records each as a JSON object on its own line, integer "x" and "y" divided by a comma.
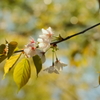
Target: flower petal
{"x": 40, "y": 40}
{"x": 50, "y": 30}
{"x": 44, "y": 31}
{"x": 51, "y": 69}
{"x": 59, "y": 65}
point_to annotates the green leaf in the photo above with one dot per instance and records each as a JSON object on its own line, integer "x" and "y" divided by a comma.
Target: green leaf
{"x": 60, "y": 37}
{"x": 10, "y": 63}
{"x": 6, "y": 41}
{"x": 11, "y": 47}
{"x": 37, "y": 63}
{"x": 2, "y": 57}
{"x": 22, "y": 73}
{"x": 2, "y": 47}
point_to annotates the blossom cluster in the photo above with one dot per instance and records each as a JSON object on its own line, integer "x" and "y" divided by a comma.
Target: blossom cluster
{"x": 40, "y": 47}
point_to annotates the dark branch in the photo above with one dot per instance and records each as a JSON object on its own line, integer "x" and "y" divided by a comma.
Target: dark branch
{"x": 54, "y": 43}
{"x": 75, "y": 34}
{"x": 18, "y": 51}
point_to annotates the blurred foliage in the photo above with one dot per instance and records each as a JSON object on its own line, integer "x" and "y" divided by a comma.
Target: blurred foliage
{"x": 20, "y": 19}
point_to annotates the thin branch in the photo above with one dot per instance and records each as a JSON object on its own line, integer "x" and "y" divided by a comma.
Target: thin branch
{"x": 18, "y": 51}
{"x": 75, "y": 34}
{"x": 68, "y": 36}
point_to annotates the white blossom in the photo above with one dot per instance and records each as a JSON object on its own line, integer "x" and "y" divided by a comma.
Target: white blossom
{"x": 45, "y": 39}
{"x": 29, "y": 52}
{"x": 30, "y": 49}
{"x": 51, "y": 69}
{"x": 31, "y": 43}
{"x": 59, "y": 65}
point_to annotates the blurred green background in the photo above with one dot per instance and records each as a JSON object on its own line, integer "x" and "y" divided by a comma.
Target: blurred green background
{"x": 20, "y": 19}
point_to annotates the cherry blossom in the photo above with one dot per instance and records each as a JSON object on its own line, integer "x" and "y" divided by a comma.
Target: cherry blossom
{"x": 59, "y": 65}
{"x": 51, "y": 69}
{"x": 45, "y": 39}
{"x": 30, "y": 49}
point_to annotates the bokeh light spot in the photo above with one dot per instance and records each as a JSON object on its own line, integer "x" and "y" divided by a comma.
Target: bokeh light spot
{"x": 47, "y": 2}
{"x": 74, "y": 20}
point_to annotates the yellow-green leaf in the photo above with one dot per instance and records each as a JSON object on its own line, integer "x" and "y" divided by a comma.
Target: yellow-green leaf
{"x": 22, "y": 73}
{"x": 2, "y": 47}
{"x": 10, "y": 63}
{"x": 11, "y": 47}
{"x": 37, "y": 63}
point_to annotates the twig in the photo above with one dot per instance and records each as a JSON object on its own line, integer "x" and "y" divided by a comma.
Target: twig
{"x": 18, "y": 51}
{"x": 54, "y": 43}
{"x": 75, "y": 34}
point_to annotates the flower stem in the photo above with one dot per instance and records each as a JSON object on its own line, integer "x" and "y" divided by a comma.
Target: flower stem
{"x": 56, "y": 56}
{"x": 53, "y": 57}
